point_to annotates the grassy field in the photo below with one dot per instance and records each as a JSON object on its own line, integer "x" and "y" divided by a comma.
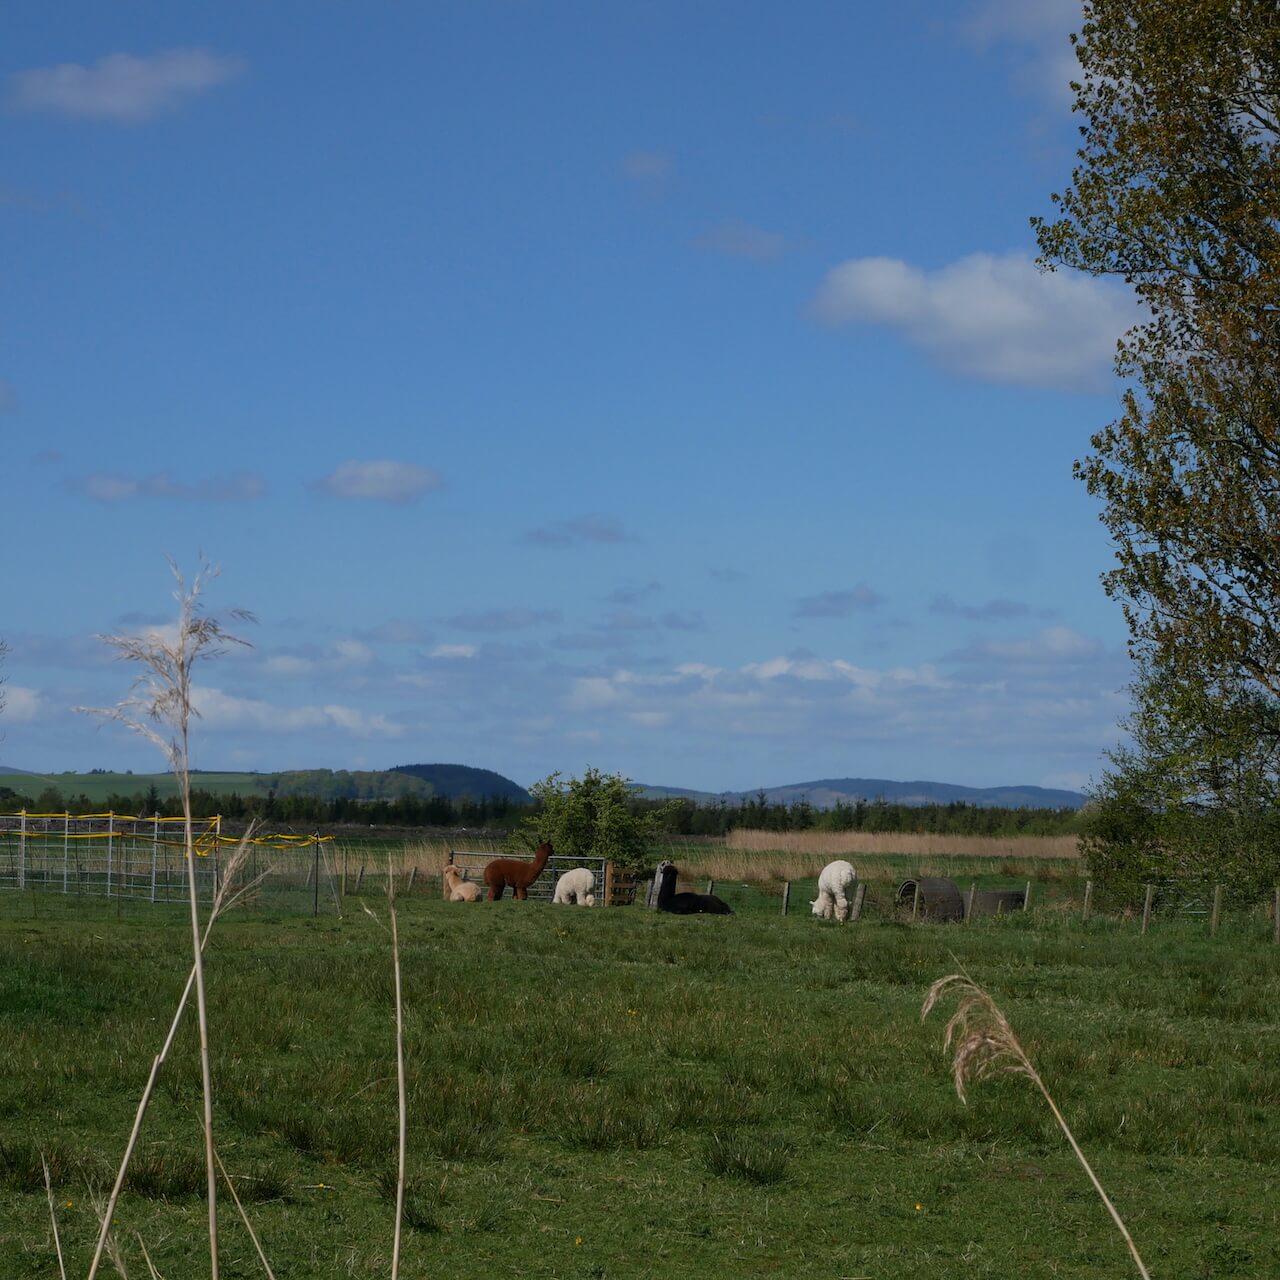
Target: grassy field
{"x": 620, "y": 1094}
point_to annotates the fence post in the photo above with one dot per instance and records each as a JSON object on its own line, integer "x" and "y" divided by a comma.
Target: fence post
{"x": 111, "y": 832}
{"x": 859, "y": 897}
{"x": 155, "y": 848}
{"x": 1088, "y": 901}
{"x": 711, "y": 886}
{"x": 973, "y": 897}
{"x": 413, "y": 875}
{"x": 359, "y": 877}
{"x": 66, "y": 840}
{"x": 786, "y": 895}
{"x": 1026, "y": 898}
{"x": 1146, "y": 908}
{"x": 22, "y": 848}
{"x": 1216, "y": 918}
{"x": 315, "y": 874}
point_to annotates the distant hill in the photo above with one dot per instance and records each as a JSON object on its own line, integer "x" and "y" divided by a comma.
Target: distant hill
{"x": 825, "y": 793}
{"x": 458, "y": 780}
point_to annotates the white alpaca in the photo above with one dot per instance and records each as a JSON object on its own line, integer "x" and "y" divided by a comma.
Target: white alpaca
{"x": 835, "y": 888}
{"x": 576, "y": 886}
{"x": 460, "y": 888}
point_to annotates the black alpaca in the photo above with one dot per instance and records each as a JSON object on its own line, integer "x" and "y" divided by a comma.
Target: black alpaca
{"x": 686, "y": 904}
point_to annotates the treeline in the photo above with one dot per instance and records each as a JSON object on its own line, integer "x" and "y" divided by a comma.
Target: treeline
{"x": 678, "y": 817}
{"x": 287, "y": 810}
{"x": 758, "y": 813}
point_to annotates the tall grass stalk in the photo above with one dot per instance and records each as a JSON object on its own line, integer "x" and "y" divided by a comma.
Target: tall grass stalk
{"x": 402, "y": 1093}
{"x": 401, "y": 1089}
{"x": 244, "y": 1217}
{"x": 53, "y": 1217}
{"x": 163, "y": 697}
{"x": 226, "y": 896}
{"x": 985, "y": 1046}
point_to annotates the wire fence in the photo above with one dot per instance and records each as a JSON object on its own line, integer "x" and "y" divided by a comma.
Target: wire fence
{"x": 140, "y": 859}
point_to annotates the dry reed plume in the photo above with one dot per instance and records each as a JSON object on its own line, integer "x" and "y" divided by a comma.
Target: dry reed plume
{"x": 162, "y": 697}
{"x": 983, "y": 1045}
{"x": 892, "y": 842}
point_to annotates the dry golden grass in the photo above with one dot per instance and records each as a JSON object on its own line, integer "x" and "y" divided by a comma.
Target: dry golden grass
{"x": 833, "y": 844}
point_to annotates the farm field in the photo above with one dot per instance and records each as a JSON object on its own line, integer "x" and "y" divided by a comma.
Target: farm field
{"x": 621, "y": 1094}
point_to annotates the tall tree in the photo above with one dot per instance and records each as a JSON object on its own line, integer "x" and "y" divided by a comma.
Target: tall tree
{"x": 1177, "y": 192}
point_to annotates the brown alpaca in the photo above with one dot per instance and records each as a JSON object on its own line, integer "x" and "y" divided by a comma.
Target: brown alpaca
{"x": 459, "y": 888}
{"x": 515, "y": 873}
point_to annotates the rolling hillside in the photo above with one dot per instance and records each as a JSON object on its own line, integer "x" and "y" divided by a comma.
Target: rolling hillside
{"x": 825, "y": 793}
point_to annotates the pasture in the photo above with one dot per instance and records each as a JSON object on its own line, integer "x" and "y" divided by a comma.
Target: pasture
{"x": 622, "y": 1094}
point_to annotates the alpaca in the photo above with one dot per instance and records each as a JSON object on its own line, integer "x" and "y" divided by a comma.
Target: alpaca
{"x": 576, "y": 886}
{"x": 460, "y": 888}
{"x": 686, "y": 904}
{"x": 835, "y": 887}
{"x": 515, "y": 873}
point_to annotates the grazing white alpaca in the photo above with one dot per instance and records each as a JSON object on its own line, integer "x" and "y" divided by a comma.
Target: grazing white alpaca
{"x": 576, "y": 886}
{"x": 835, "y": 888}
{"x": 460, "y": 889}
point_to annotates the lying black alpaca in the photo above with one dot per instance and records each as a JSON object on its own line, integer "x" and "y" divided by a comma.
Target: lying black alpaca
{"x": 686, "y": 904}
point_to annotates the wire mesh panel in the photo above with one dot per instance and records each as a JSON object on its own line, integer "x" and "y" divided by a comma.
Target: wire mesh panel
{"x": 105, "y": 855}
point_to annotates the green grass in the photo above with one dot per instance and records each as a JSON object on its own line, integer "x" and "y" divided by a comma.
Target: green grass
{"x": 620, "y": 1094}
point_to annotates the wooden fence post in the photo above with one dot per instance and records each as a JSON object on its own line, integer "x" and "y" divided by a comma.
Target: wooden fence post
{"x": 1088, "y": 901}
{"x": 973, "y": 898}
{"x": 1216, "y": 918}
{"x": 1146, "y": 907}
{"x": 1026, "y": 898}
{"x": 359, "y": 877}
{"x": 413, "y": 875}
{"x": 786, "y": 895}
{"x": 859, "y": 897}
{"x": 711, "y": 886}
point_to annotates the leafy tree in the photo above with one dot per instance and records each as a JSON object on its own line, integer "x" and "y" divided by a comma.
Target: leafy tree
{"x": 1195, "y": 795}
{"x": 597, "y": 815}
{"x": 1177, "y": 192}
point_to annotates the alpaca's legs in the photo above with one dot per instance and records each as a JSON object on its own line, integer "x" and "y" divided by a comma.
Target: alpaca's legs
{"x": 842, "y": 907}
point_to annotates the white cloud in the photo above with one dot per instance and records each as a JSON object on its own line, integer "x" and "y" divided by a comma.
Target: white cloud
{"x": 1038, "y": 32}
{"x": 21, "y": 704}
{"x": 219, "y": 710}
{"x": 353, "y": 652}
{"x": 111, "y": 487}
{"x": 381, "y": 480}
{"x": 454, "y": 651}
{"x": 1050, "y": 645}
{"x": 122, "y": 86}
{"x": 742, "y": 240}
{"x": 988, "y": 316}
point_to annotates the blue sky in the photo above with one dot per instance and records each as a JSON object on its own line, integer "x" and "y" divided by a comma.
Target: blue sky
{"x": 664, "y": 388}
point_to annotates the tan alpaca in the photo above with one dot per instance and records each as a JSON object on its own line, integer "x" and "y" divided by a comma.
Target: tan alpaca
{"x": 460, "y": 890}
